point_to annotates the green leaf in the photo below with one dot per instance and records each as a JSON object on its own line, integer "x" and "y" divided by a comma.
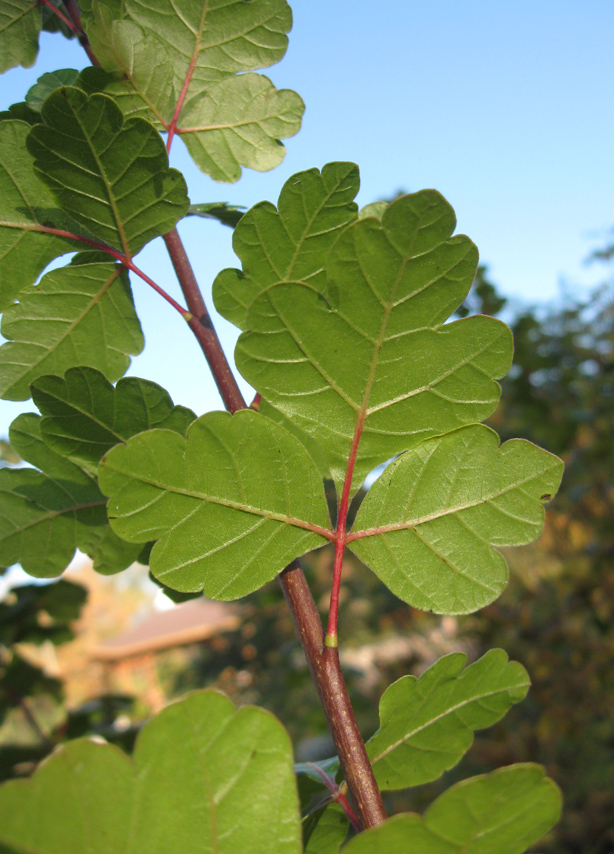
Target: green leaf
{"x": 21, "y": 112}
{"x": 179, "y": 61}
{"x": 427, "y": 526}
{"x": 45, "y": 515}
{"x": 369, "y": 365}
{"x": 290, "y": 243}
{"x": 26, "y": 207}
{"x": 500, "y": 813}
{"x": 225, "y": 786}
{"x": 111, "y": 175}
{"x": 427, "y": 724}
{"x": 19, "y": 615}
{"x": 84, "y": 416}
{"x": 81, "y": 314}
{"x": 232, "y": 505}
{"x": 375, "y": 209}
{"x": 47, "y": 84}
{"x": 240, "y": 122}
{"x": 20, "y": 24}
{"x": 226, "y": 214}
{"x": 324, "y": 832}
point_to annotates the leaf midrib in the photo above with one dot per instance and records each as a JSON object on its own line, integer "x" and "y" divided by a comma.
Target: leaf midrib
{"x": 94, "y": 299}
{"x": 233, "y": 505}
{"x": 449, "y": 711}
{"x": 402, "y": 526}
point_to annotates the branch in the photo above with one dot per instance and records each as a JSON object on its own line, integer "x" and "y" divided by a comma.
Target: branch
{"x": 323, "y": 661}
{"x": 75, "y": 16}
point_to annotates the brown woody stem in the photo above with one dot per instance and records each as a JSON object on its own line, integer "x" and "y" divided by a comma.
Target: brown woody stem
{"x": 323, "y": 661}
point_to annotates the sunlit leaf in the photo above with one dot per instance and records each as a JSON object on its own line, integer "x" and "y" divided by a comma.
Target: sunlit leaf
{"x": 231, "y": 506}
{"x": 26, "y": 206}
{"x": 185, "y": 63}
{"x": 82, "y": 314}
{"x": 110, "y": 175}
{"x": 427, "y": 724}
{"x": 369, "y": 365}
{"x": 46, "y": 514}
{"x": 20, "y": 25}
{"x": 239, "y": 122}
{"x": 500, "y": 813}
{"x": 290, "y": 243}
{"x": 225, "y": 786}
{"x": 428, "y": 525}
{"x": 84, "y": 416}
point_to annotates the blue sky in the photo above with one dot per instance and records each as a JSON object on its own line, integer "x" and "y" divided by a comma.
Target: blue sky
{"x": 504, "y": 108}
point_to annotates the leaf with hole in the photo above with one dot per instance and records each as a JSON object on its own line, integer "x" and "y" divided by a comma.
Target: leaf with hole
{"x": 427, "y": 724}
{"x": 429, "y": 523}
{"x": 90, "y": 798}
{"x": 291, "y": 242}
{"x": 500, "y": 813}
{"x": 231, "y": 505}
{"x": 110, "y": 175}
{"x": 81, "y": 314}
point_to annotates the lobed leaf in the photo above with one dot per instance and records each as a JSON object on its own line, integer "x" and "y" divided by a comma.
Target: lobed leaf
{"x": 428, "y": 525}
{"x": 290, "y": 243}
{"x": 427, "y": 724}
{"x": 82, "y": 314}
{"x": 500, "y": 813}
{"x": 226, "y": 786}
{"x": 239, "y": 122}
{"x": 232, "y": 504}
{"x": 367, "y": 366}
{"x": 110, "y": 175}
{"x": 46, "y": 514}
{"x": 84, "y": 416}
{"x": 20, "y": 25}
{"x": 48, "y": 83}
{"x": 26, "y": 207}
{"x": 178, "y": 62}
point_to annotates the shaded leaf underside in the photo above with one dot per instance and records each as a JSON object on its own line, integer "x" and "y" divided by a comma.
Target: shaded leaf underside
{"x": 82, "y": 314}
{"x": 290, "y": 242}
{"x": 427, "y": 724}
{"x": 367, "y": 365}
{"x": 227, "y": 525}
{"x": 45, "y": 515}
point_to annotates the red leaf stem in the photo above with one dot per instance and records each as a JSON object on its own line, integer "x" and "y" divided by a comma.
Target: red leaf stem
{"x": 123, "y": 259}
{"x": 342, "y": 538}
{"x": 61, "y": 16}
{"x": 172, "y": 128}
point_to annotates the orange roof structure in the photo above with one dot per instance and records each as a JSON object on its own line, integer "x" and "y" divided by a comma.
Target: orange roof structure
{"x": 193, "y": 621}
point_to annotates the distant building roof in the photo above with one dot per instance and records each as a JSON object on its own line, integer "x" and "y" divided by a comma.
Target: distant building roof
{"x": 190, "y": 622}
